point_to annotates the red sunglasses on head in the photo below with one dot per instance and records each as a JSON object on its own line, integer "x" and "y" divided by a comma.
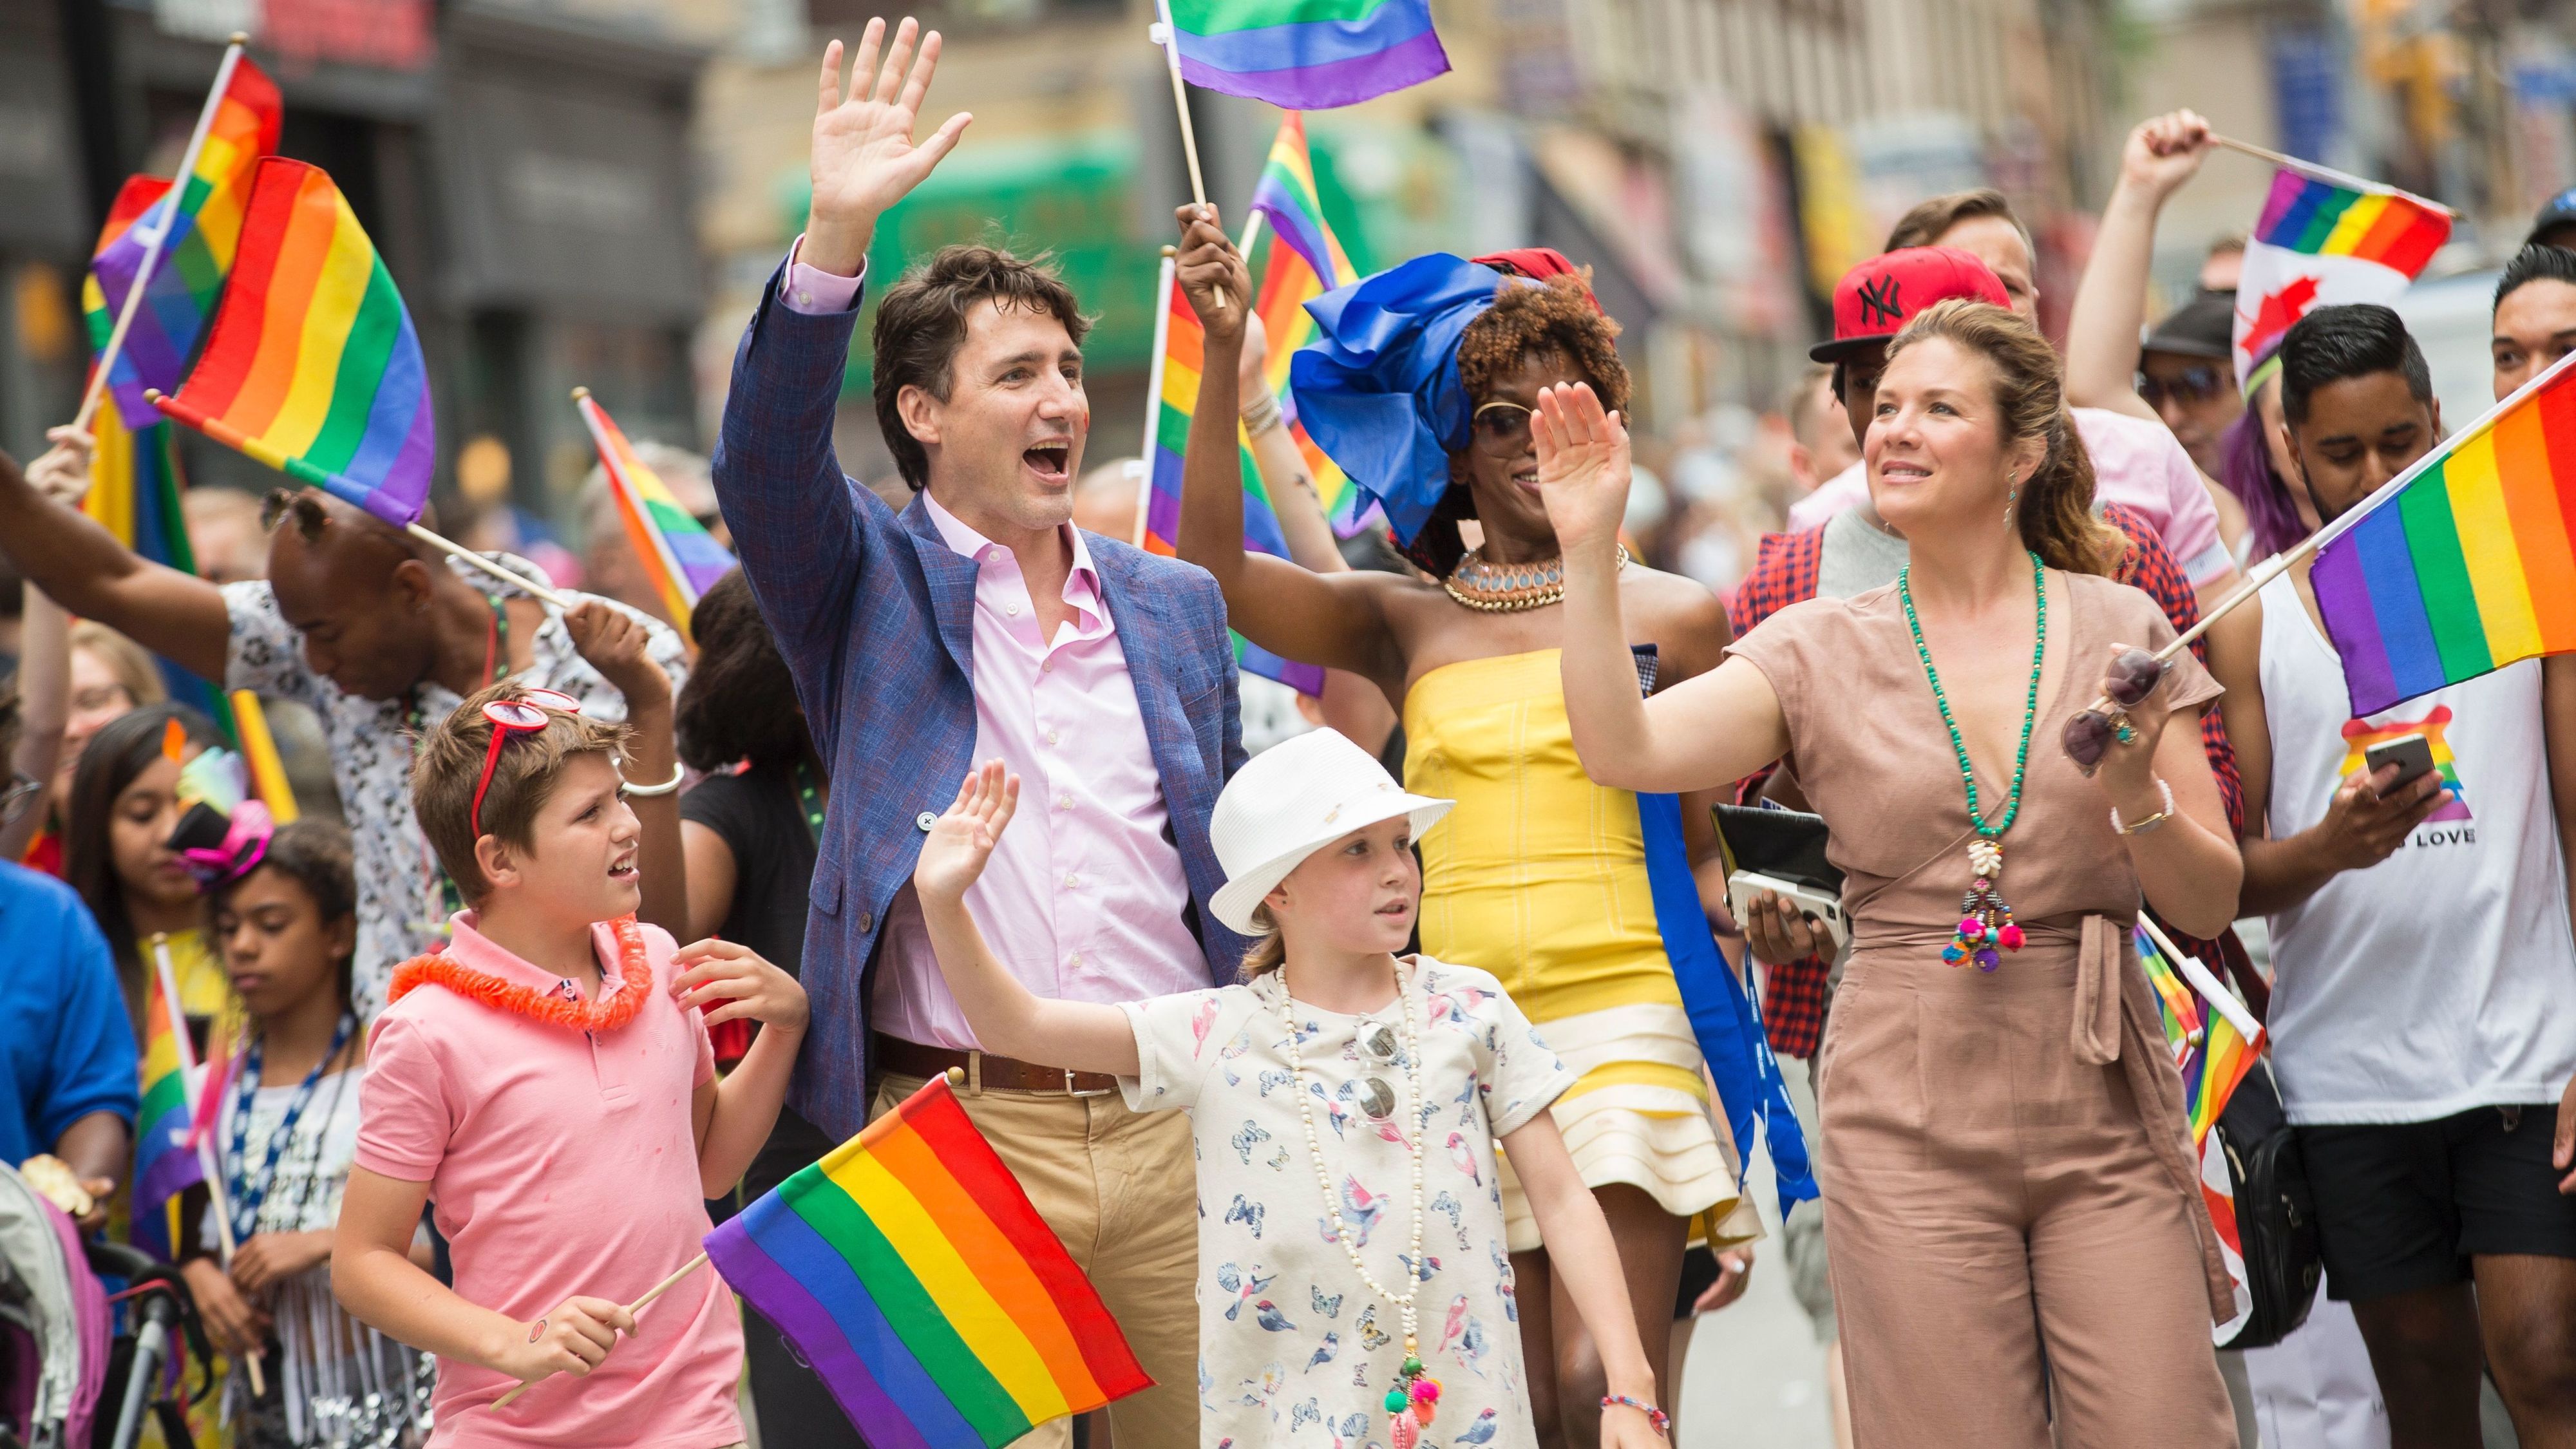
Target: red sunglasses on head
{"x": 524, "y": 715}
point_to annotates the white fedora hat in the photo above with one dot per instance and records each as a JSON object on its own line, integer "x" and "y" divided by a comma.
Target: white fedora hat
{"x": 1292, "y": 800}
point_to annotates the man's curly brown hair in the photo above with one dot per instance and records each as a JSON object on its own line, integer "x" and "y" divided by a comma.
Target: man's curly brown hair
{"x": 1555, "y": 318}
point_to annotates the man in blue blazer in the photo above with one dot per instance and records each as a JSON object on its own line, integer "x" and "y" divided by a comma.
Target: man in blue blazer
{"x": 979, "y": 623}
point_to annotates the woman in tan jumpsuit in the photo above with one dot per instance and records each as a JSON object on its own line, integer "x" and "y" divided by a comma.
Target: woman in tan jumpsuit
{"x": 2010, "y": 1200}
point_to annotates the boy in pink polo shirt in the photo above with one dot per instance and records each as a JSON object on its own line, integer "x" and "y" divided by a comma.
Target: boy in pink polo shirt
{"x": 547, "y": 1083}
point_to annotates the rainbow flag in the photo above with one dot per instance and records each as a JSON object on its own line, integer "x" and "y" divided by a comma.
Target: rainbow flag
{"x": 2326, "y": 238}
{"x": 2213, "y": 1046}
{"x": 1305, "y": 261}
{"x": 313, "y": 367}
{"x": 134, "y": 488}
{"x": 908, "y": 1268}
{"x": 1180, "y": 345}
{"x": 683, "y": 558}
{"x": 1305, "y": 55}
{"x": 241, "y": 126}
{"x": 166, "y": 1162}
{"x": 2463, "y": 564}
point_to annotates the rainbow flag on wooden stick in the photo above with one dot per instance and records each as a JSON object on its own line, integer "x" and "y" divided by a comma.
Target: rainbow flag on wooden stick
{"x": 2214, "y": 1045}
{"x": 2465, "y": 563}
{"x": 204, "y": 221}
{"x": 1305, "y": 261}
{"x": 1306, "y": 55}
{"x": 313, "y": 367}
{"x": 908, "y": 1268}
{"x": 2325, "y": 237}
{"x": 683, "y": 558}
{"x": 1172, "y": 397}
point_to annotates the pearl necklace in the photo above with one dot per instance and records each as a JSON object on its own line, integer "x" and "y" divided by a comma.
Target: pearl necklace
{"x": 1411, "y": 1401}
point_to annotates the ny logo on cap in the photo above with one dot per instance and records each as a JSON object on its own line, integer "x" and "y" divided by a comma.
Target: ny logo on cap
{"x": 1881, "y": 300}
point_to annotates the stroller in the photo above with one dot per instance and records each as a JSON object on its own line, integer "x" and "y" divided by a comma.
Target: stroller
{"x": 56, "y": 1351}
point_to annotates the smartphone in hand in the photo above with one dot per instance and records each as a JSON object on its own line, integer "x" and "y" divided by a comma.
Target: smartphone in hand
{"x": 2411, "y": 754}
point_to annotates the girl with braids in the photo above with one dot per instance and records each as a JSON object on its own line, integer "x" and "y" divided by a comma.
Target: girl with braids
{"x": 1580, "y": 899}
{"x": 2015, "y": 1213}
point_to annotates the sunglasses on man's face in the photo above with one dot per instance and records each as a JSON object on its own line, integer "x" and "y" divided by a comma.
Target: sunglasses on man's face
{"x": 2197, "y": 383}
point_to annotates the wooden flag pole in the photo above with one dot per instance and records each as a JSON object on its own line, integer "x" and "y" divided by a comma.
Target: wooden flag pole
{"x": 160, "y": 235}
{"x": 207, "y": 1162}
{"x": 2322, "y": 173}
{"x": 1170, "y": 39}
{"x": 505, "y": 575}
{"x": 638, "y": 1306}
{"x": 1154, "y": 389}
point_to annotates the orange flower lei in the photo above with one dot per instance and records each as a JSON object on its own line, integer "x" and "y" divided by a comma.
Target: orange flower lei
{"x": 606, "y": 1012}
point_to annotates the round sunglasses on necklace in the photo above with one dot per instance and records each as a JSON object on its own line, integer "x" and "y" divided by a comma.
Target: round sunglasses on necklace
{"x": 508, "y": 717}
{"x": 1500, "y": 429}
{"x": 1377, "y": 1099}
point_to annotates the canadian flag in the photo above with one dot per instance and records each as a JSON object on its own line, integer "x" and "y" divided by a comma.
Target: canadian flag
{"x": 2327, "y": 238}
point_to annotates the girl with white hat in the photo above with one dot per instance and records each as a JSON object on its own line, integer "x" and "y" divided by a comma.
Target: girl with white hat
{"x": 1347, "y": 1104}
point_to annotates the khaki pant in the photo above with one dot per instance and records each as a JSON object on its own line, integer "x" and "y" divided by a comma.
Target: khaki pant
{"x": 1121, "y": 1190}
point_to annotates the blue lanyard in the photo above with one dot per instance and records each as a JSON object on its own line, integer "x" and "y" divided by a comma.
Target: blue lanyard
{"x": 248, "y": 1194}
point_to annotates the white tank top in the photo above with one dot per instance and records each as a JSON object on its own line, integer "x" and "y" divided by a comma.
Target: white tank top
{"x": 2444, "y": 977}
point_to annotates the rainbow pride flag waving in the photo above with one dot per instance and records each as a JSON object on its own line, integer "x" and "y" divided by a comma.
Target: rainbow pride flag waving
{"x": 2215, "y": 1045}
{"x": 1180, "y": 345}
{"x": 909, "y": 1269}
{"x": 312, "y": 366}
{"x": 1305, "y": 261}
{"x": 2466, "y": 562}
{"x": 1305, "y": 55}
{"x": 244, "y": 117}
{"x": 2325, "y": 237}
{"x": 683, "y": 559}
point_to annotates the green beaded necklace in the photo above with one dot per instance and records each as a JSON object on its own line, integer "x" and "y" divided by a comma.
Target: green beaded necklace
{"x": 1985, "y": 923}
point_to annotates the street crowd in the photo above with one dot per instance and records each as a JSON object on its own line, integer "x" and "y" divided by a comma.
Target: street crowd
{"x": 1422, "y": 1011}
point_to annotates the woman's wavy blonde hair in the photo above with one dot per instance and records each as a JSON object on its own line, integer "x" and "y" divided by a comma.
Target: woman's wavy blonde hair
{"x": 2055, "y": 511}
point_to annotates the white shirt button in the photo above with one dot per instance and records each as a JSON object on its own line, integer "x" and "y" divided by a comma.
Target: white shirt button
{"x": 1073, "y": 962}
{"x": 804, "y": 298}
{"x": 1073, "y": 882}
{"x": 925, "y": 820}
{"x": 1064, "y": 802}
{"x": 1052, "y": 737}
{"x": 1011, "y": 609}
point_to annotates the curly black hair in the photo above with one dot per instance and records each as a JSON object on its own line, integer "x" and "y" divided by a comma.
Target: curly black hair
{"x": 1556, "y": 318}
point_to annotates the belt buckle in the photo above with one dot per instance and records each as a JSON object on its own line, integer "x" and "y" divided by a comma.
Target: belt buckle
{"x": 1071, "y": 1090}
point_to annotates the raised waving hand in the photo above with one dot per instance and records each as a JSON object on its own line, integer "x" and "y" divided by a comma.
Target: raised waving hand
{"x": 864, "y": 158}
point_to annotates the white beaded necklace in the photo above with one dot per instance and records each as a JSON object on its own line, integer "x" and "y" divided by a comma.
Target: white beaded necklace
{"x": 1399, "y": 1400}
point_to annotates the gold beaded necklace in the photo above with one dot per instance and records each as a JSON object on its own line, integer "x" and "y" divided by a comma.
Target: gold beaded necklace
{"x": 1509, "y": 588}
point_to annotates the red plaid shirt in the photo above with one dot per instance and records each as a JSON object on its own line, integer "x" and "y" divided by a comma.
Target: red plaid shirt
{"x": 1784, "y": 573}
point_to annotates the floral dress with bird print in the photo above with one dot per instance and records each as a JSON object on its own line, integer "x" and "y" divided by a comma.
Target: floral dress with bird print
{"x": 1294, "y": 1349}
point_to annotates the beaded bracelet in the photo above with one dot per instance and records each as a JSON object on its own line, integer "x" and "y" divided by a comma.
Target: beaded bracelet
{"x": 1662, "y": 1421}
{"x": 2141, "y": 827}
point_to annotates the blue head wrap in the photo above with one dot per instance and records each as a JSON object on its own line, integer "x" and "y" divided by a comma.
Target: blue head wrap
{"x": 1378, "y": 388}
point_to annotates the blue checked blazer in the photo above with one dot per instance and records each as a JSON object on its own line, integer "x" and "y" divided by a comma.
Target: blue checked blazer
{"x": 874, "y": 614}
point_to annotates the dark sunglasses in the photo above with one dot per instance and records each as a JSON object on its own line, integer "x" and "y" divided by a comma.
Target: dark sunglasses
{"x": 2197, "y": 383}
{"x": 1501, "y": 429}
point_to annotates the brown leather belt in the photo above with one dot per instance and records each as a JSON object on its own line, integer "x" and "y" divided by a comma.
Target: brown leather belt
{"x": 984, "y": 1070}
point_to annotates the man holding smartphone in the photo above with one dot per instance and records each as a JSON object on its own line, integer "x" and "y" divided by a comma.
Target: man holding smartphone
{"x": 2423, "y": 1015}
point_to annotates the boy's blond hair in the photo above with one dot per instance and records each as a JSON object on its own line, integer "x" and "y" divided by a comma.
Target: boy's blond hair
{"x": 449, "y": 762}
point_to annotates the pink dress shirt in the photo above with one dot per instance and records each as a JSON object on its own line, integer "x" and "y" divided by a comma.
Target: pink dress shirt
{"x": 1083, "y": 899}
{"x": 2135, "y": 462}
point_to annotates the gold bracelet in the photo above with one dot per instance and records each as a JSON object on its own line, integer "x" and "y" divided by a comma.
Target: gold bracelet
{"x": 2151, "y": 822}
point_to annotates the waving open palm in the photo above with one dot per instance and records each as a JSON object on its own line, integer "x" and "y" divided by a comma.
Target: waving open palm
{"x": 1582, "y": 466}
{"x": 864, "y": 158}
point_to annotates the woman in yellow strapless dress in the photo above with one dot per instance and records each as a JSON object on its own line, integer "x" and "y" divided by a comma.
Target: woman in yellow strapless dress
{"x": 1579, "y": 898}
